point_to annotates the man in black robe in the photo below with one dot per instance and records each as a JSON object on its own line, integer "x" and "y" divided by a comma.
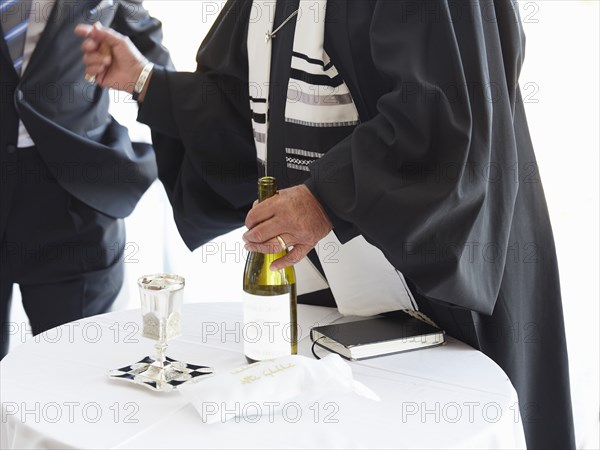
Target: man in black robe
{"x": 439, "y": 174}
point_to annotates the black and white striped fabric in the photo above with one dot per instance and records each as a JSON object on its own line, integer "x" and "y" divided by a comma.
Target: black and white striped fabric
{"x": 319, "y": 109}
{"x": 14, "y": 17}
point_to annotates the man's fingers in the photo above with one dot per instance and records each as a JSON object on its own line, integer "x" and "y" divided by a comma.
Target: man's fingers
{"x": 99, "y": 34}
{"x": 94, "y": 71}
{"x": 295, "y": 217}
{"x": 106, "y": 35}
{"x": 83, "y": 30}
{"x": 274, "y": 244}
{"x": 259, "y": 213}
{"x": 91, "y": 59}
{"x": 261, "y": 227}
{"x": 89, "y": 46}
{"x": 270, "y": 247}
{"x": 293, "y": 257}
{"x": 263, "y": 232}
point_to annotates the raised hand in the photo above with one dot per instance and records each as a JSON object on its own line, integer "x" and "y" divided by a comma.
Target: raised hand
{"x": 110, "y": 57}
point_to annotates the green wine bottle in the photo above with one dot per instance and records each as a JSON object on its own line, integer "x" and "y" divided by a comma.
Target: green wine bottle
{"x": 270, "y": 316}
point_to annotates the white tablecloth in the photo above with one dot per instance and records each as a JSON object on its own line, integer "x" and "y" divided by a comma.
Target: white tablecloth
{"x": 55, "y": 393}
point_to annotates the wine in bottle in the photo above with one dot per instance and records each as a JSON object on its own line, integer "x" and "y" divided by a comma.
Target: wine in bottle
{"x": 270, "y": 317}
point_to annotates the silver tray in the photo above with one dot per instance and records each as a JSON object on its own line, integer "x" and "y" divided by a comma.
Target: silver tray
{"x": 163, "y": 377}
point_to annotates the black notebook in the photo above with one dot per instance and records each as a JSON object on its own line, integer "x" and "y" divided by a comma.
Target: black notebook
{"x": 382, "y": 335}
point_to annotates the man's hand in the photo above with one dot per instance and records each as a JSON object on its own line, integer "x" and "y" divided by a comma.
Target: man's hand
{"x": 118, "y": 69}
{"x": 296, "y": 216}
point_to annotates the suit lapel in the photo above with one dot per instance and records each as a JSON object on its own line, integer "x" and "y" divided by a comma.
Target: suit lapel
{"x": 4, "y": 49}
{"x": 53, "y": 24}
{"x": 61, "y": 15}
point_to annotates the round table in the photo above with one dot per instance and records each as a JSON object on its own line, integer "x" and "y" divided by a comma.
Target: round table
{"x": 55, "y": 393}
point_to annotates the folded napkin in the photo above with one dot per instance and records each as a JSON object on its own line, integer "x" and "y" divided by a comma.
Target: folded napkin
{"x": 266, "y": 388}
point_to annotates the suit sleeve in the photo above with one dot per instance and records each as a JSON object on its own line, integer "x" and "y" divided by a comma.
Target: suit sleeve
{"x": 202, "y": 135}
{"x": 430, "y": 178}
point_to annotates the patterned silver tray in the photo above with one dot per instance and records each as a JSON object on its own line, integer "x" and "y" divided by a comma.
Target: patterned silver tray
{"x": 164, "y": 378}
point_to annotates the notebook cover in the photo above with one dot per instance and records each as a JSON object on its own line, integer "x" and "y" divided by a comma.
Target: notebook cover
{"x": 396, "y": 328}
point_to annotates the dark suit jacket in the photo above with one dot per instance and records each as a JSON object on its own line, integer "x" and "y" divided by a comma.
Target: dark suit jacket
{"x": 87, "y": 150}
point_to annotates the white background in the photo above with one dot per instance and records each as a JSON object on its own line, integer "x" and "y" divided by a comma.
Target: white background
{"x": 560, "y": 83}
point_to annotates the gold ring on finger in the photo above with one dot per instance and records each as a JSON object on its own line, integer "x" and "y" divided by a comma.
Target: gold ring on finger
{"x": 282, "y": 243}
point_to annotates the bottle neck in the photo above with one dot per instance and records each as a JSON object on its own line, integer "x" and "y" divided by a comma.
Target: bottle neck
{"x": 267, "y": 187}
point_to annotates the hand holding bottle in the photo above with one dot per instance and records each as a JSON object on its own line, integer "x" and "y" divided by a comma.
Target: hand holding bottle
{"x": 296, "y": 216}
{"x": 118, "y": 68}
{"x": 270, "y": 315}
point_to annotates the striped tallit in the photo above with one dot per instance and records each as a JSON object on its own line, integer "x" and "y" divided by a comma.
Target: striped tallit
{"x": 318, "y": 103}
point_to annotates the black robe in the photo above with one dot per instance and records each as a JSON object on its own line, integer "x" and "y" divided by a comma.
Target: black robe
{"x": 440, "y": 174}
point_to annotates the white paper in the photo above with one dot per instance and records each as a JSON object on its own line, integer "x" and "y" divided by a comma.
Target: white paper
{"x": 362, "y": 280}
{"x": 308, "y": 277}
